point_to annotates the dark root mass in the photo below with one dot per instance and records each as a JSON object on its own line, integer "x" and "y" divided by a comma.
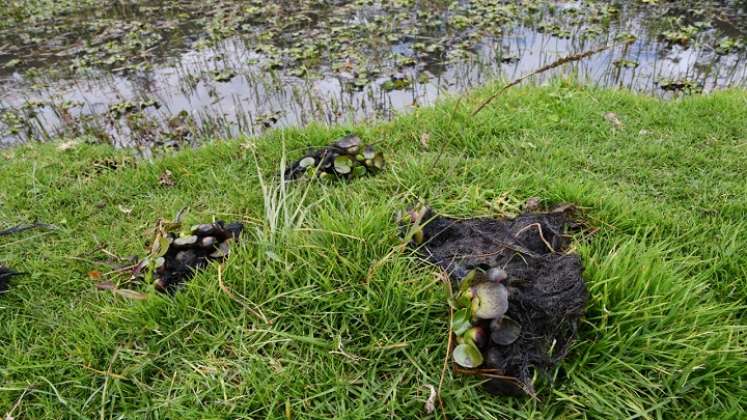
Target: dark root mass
{"x": 547, "y": 295}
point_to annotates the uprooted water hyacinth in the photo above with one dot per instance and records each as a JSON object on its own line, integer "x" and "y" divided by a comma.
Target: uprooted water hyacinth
{"x": 176, "y": 257}
{"x": 345, "y": 158}
{"x": 518, "y": 291}
{"x": 480, "y": 307}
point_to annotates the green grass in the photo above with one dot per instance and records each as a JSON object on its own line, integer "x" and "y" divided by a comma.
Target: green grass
{"x": 664, "y": 337}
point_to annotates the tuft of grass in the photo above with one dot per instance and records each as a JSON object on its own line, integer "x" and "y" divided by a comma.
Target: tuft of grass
{"x": 326, "y": 321}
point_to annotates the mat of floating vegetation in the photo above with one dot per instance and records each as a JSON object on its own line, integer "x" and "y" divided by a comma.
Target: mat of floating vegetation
{"x": 5, "y": 275}
{"x": 518, "y": 293}
{"x": 176, "y": 256}
{"x": 345, "y": 158}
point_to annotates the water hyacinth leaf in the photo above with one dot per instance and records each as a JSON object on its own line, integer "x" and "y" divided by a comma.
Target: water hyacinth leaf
{"x": 463, "y": 301}
{"x": 477, "y": 336}
{"x": 222, "y": 251}
{"x": 467, "y": 355}
{"x": 467, "y": 281}
{"x": 307, "y": 162}
{"x": 489, "y": 300}
{"x": 163, "y": 246}
{"x": 369, "y": 153}
{"x": 343, "y": 165}
{"x": 185, "y": 241}
{"x": 379, "y": 162}
{"x": 418, "y": 236}
{"x": 359, "y": 171}
{"x": 504, "y": 331}
{"x": 350, "y": 143}
{"x": 208, "y": 242}
{"x": 461, "y": 322}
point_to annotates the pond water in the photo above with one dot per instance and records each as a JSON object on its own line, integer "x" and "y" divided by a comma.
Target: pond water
{"x": 168, "y": 74}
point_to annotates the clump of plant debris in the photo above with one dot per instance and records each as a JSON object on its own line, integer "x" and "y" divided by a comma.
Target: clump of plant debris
{"x": 520, "y": 292}
{"x": 345, "y": 158}
{"x": 5, "y": 275}
{"x": 175, "y": 257}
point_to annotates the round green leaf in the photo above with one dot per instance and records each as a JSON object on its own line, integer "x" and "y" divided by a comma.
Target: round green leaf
{"x": 369, "y": 153}
{"x": 359, "y": 171}
{"x": 350, "y": 143}
{"x": 379, "y": 162}
{"x": 163, "y": 246}
{"x": 185, "y": 241}
{"x": 343, "y": 165}
{"x": 461, "y": 322}
{"x": 307, "y": 162}
{"x": 489, "y": 300}
{"x": 467, "y": 355}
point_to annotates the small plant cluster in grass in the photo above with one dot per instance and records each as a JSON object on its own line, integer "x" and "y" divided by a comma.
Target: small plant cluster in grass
{"x": 345, "y": 158}
{"x": 175, "y": 257}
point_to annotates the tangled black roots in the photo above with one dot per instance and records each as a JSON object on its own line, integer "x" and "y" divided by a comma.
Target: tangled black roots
{"x": 547, "y": 295}
{"x": 5, "y": 275}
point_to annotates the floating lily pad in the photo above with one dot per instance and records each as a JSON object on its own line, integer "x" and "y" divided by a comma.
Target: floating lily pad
{"x": 223, "y": 76}
{"x": 628, "y": 64}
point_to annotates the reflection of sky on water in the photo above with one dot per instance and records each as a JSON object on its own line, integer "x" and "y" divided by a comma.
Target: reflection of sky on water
{"x": 237, "y": 106}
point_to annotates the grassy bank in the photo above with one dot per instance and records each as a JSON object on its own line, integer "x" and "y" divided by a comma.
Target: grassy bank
{"x": 318, "y": 333}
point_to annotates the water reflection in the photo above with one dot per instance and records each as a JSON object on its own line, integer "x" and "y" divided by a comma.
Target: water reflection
{"x": 232, "y": 88}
